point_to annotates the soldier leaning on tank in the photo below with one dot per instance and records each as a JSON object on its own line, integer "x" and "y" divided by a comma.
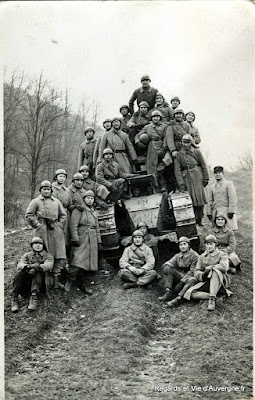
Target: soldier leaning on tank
{"x": 192, "y": 175}
{"x": 107, "y": 124}
{"x": 86, "y": 241}
{"x": 77, "y": 192}
{"x": 87, "y": 148}
{"x": 101, "y": 192}
{"x": 124, "y": 110}
{"x": 47, "y": 216}
{"x": 144, "y": 93}
{"x": 138, "y": 120}
{"x": 123, "y": 150}
{"x": 137, "y": 263}
{"x": 178, "y": 270}
{"x": 109, "y": 174}
{"x": 156, "y": 152}
{"x": 32, "y": 270}
{"x": 60, "y": 191}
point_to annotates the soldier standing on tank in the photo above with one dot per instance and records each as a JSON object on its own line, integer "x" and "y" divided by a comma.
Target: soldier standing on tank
{"x": 138, "y": 120}
{"x": 107, "y": 124}
{"x": 175, "y": 103}
{"x": 124, "y": 110}
{"x": 47, "y": 216}
{"x": 156, "y": 151}
{"x": 32, "y": 270}
{"x": 87, "y": 148}
{"x": 144, "y": 93}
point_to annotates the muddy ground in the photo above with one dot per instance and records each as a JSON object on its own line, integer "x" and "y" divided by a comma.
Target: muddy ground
{"x": 120, "y": 344}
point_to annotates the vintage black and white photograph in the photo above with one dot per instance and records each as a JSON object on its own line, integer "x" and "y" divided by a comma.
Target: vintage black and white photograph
{"x": 127, "y": 155}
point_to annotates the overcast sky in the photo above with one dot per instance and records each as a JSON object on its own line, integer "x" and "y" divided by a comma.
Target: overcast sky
{"x": 201, "y": 51}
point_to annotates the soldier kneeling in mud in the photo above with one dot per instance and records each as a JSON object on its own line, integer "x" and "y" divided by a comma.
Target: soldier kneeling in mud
{"x": 137, "y": 263}
{"x": 32, "y": 270}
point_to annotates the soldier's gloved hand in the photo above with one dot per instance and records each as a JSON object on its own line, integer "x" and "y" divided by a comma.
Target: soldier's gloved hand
{"x": 209, "y": 217}
{"x": 32, "y": 271}
{"x": 182, "y": 188}
{"x": 113, "y": 189}
{"x": 140, "y": 271}
{"x": 230, "y": 215}
{"x": 76, "y": 244}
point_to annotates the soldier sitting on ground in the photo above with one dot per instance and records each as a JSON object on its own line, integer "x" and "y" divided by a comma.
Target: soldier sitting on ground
{"x": 137, "y": 263}
{"x": 178, "y": 270}
{"x": 32, "y": 270}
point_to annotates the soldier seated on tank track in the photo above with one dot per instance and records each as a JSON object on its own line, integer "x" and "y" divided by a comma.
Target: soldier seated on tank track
{"x": 137, "y": 263}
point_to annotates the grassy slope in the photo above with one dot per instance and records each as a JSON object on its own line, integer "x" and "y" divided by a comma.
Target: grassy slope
{"x": 120, "y": 344}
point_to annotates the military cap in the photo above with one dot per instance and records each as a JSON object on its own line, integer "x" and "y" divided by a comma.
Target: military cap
{"x": 218, "y": 169}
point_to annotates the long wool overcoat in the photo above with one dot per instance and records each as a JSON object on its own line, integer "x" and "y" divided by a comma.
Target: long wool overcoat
{"x": 191, "y": 170}
{"x": 85, "y": 230}
{"x": 122, "y": 148}
{"x": 40, "y": 209}
{"x": 174, "y": 133}
{"x": 63, "y": 194}
{"x": 86, "y": 153}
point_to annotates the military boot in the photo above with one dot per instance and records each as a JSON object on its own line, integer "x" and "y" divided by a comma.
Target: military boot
{"x": 57, "y": 284}
{"x": 175, "y": 302}
{"x": 130, "y": 285}
{"x": 211, "y": 303}
{"x": 32, "y": 306}
{"x": 15, "y": 304}
{"x": 167, "y": 296}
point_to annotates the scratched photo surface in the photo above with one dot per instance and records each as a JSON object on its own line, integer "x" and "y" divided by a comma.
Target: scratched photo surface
{"x": 71, "y": 65}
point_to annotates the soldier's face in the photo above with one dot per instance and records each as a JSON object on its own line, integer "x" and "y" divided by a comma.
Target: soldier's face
{"x": 116, "y": 124}
{"x": 107, "y": 125}
{"x": 190, "y": 117}
{"x": 220, "y": 221}
{"x": 218, "y": 176}
{"x": 89, "y": 200}
{"x": 156, "y": 119}
{"x": 210, "y": 247}
{"x": 37, "y": 247}
{"x": 89, "y": 134}
{"x": 186, "y": 145}
{"x": 138, "y": 240}
{"x": 143, "y": 229}
{"x": 46, "y": 191}
{"x": 184, "y": 246}
{"x": 78, "y": 183}
{"x": 145, "y": 83}
{"x": 108, "y": 156}
{"x": 143, "y": 110}
{"x": 178, "y": 116}
{"x": 175, "y": 103}
{"x": 85, "y": 173}
{"x": 124, "y": 111}
{"x": 61, "y": 178}
{"x": 159, "y": 100}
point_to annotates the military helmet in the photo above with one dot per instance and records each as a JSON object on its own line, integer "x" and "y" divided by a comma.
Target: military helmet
{"x": 116, "y": 119}
{"x": 156, "y": 112}
{"x": 89, "y": 193}
{"x": 89, "y": 128}
{"x": 211, "y": 239}
{"x": 140, "y": 224}
{"x": 144, "y": 103}
{"x": 45, "y": 184}
{"x": 60, "y": 171}
{"x": 178, "y": 110}
{"x": 187, "y": 138}
{"x": 184, "y": 239}
{"x": 36, "y": 239}
{"x": 221, "y": 215}
{"x": 124, "y": 106}
{"x": 78, "y": 175}
{"x": 107, "y": 120}
{"x": 137, "y": 232}
{"x": 145, "y": 78}
{"x": 84, "y": 168}
{"x": 107, "y": 150}
{"x": 175, "y": 98}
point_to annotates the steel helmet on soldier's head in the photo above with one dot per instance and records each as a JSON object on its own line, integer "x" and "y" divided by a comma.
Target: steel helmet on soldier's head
{"x": 137, "y": 232}
{"x": 178, "y": 110}
{"x": 124, "y": 106}
{"x": 187, "y": 138}
{"x": 89, "y": 193}
{"x": 144, "y": 103}
{"x": 77, "y": 176}
{"x": 211, "y": 239}
{"x": 107, "y": 120}
{"x": 84, "y": 168}
{"x": 156, "y": 112}
{"x": 175, "y": 98}
{"x": 221, "y": 215}
{"x": 190, "y": 112}
{"x": 140, "y": 224}
{"x": 145, "y": 78}
{"x": 184, "y": 239}
{"x": 36, "y": 239}
{"x": 45, "y": 184}
{"x": 107, "y": 150}
{"x": 60, "y": 171}
{"x": 159, "y": 94}
{"x": 89, "y": 128}
{"x": 116, "y": 119}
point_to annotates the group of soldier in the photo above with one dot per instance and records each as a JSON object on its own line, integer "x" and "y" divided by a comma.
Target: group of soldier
{"x": 163, "y": 140}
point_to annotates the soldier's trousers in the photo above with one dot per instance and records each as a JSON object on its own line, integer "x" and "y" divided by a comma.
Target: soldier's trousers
{"x": 128, "y": 276}
{"x": 24, "y": 283}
